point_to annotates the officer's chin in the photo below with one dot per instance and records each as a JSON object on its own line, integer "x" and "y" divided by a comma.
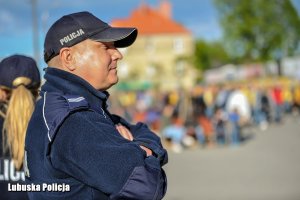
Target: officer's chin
{"x": 112, "y": 83}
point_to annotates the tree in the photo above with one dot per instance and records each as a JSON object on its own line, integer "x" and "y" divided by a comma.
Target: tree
{"x": 209, "y": 55}
{"x": 259, "y": 30}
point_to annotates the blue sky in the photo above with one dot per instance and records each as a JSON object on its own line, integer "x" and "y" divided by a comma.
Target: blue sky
{"x": 16, "y": 35}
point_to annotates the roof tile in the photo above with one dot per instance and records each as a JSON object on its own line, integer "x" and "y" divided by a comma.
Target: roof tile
{"x": 150, "y": 21}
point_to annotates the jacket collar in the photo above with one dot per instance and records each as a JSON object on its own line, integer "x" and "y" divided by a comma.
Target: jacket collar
{"x": 60, "y": 81}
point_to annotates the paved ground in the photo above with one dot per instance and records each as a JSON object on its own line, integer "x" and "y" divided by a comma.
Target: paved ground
{"x": 266, "y": 167}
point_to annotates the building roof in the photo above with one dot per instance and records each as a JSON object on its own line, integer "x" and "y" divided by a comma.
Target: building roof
{"x": 151, "y": 21}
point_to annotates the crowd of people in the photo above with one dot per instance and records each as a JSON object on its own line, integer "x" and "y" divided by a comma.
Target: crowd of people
{"x": 209, "y": 115}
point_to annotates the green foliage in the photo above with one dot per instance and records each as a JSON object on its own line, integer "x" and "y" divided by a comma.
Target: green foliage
{"x": 259, "y": 30}
{"x": 209, "y": 55}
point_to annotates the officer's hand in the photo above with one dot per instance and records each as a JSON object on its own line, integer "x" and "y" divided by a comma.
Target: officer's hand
{"x": 148, "y": 151}
{"x": 124, "y": 132}
{"x": 127, "y": 135}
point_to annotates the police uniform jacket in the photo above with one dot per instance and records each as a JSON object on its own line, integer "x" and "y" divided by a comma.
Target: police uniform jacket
{"x": 72, "y": 140}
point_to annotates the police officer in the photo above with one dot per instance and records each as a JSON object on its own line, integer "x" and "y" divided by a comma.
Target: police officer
{"x": 73, "y": 142}
{"x": 19, "y": 81}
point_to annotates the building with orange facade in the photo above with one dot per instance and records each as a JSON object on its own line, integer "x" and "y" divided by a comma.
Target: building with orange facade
{"x": 162, "y": 52}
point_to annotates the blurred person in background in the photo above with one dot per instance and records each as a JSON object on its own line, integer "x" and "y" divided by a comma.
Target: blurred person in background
{"x": 234, "y": 126}
{"x": 238, "y": 101}
{"x": 209, "y": 99}
{"x": 265, "y": 105}
{"x": 261, "y": 108}
{"x": 277, "y": 100}
{"x": 169, "y": 108}
{"x": 219, "y": 122}
{"x": 222, "y": 95}
{"x": 199, "y": 134}
{"x": 199, "y": 115}
{"x": 175, "y": 133}
{"x": 19, "y": 83}
{"x": 287, "y": 98}
{"x": 239, "y": 113}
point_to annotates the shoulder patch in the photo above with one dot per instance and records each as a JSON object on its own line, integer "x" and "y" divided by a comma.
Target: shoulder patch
{"x": 57, "y": 107}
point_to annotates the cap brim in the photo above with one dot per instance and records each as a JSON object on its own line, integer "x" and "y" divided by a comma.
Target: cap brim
{"x": 123, "y": 37}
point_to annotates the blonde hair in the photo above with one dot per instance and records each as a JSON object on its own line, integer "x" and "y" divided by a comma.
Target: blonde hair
{"x": 19, "y": 110}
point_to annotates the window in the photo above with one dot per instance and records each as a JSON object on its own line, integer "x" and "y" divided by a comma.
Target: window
{"x": 178, "y": 45}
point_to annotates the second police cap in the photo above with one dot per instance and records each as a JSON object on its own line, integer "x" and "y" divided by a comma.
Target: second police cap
{"x": 18, "y": 69}
{"x": 77, "y": 27}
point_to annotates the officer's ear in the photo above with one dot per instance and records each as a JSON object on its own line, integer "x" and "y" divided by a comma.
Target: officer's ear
{"x": 67, "y": 58}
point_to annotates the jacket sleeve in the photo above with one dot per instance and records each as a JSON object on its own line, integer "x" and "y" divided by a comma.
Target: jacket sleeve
{"x": 101, "y": 158}
{"x": 144, "y": 136}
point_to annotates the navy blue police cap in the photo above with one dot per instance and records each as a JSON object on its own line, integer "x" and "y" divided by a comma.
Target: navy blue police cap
{"x": 18, "y": 69}
{"x": 77, "y": 27}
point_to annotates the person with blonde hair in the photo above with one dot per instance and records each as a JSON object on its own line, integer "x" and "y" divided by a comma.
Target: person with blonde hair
{"x": 19, "y": 82}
